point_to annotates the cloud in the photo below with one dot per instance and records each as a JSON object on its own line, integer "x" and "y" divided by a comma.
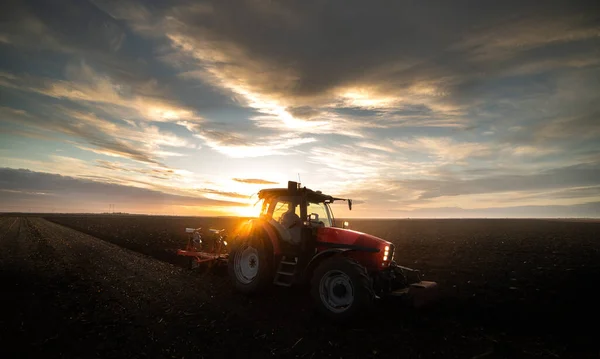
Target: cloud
{"x": 156, "y": 173}
{"x": 136, "y": 141}
{"x": 374, "y": 146}
{"x": 240, "y": 146}
{"x": 444, "y": 149}
{"x": 585, "y": 210}
{"x": 224, "y": 193}
{"x": 84, "y": 85}
{"x": 92, "y": 133}
{"x": 281, "y": 82}
{"x": 253, "y": 181}
{"x": 411, "y": 79}
{"x": 398, "y": 104}
{"x": 243, "y": 140}
{"x": 349, "y": 161}
{"x": 582, "y": 126}
{"x": 158, "y": 178}
{"x": 572, "y": 176}
{"x": 259, "y": 56}
{"x": 64, "y": 191}
{"x": 529, "y": 33}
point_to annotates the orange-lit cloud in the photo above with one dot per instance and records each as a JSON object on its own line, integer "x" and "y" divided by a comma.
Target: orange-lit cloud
{"x": 253, "y": 181}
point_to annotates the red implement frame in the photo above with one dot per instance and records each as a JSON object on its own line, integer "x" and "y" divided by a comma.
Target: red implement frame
{"x": 203, "y": 257}
{"x": 200, "y": 256}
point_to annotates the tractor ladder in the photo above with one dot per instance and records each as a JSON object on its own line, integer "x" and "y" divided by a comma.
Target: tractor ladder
{"x": 286, "y": 272}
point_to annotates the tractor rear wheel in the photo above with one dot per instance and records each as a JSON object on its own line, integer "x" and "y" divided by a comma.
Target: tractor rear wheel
{"x": 341, "y": 288}
{"x": 249, "y": 264}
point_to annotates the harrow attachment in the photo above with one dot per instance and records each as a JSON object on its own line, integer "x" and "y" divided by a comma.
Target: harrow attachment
{"x": 203, "y": 247}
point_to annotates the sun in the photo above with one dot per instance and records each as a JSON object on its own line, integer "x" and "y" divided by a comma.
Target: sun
{"x": 245, "y": 211}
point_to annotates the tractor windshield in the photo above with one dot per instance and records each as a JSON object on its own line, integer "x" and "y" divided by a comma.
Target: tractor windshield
{"x": 321, "y": 210}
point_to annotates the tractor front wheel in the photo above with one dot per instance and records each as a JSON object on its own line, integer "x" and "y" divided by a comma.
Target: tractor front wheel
{"x": 341, "y": 288}
{"x": 249, "y": 265}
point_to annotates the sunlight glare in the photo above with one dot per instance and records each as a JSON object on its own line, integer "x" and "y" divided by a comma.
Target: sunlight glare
{"x": 246, "y": 211}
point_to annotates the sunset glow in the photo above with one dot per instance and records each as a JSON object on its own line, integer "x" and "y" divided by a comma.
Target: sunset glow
{"x": 245, "y": 211}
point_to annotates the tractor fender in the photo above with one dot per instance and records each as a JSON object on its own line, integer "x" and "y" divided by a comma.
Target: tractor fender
{"x": 314, "y": 262}
{"x": 262, "y": 226}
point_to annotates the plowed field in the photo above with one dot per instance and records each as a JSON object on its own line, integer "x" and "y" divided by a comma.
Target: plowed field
{"x": 111, "y": 286}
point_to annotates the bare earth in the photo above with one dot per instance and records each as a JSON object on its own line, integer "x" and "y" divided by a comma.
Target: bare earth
{"x": 510, "y": 289}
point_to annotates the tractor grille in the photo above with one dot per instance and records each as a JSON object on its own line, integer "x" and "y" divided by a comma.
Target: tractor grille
{"x": 391, "y": 255}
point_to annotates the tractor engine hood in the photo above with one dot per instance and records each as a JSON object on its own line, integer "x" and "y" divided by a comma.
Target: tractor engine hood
{"x": 346, "y": 238}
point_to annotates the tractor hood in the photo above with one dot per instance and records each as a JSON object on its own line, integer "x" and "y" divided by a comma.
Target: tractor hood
{"x": 339, "y": 237}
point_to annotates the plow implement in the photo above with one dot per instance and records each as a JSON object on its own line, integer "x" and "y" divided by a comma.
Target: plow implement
{"x": 205, "y": 248}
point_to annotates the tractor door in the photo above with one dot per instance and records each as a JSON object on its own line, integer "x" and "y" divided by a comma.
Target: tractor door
{"x": 285, "y": 213}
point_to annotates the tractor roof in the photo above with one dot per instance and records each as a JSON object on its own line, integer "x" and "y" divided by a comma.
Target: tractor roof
{"x": 293, "y": 190}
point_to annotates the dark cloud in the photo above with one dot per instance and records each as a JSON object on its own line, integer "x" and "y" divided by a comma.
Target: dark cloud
{"x": 33, "y": 134}
{"x": 576, "y": 193}
{"x": 115, "y": 148}
{"x": 253, "y": 181}
{"x": 51, "y": 189}
{"x": 586, "y": 210}
{"x": 39, "y": 38}
{"x": 77, "y": 29}
{"x": 578, "y": 126}
{"x": 56, "y": 21}
{"x": 96, "y": 132}
{"x": 161, "y": 173}
{"x": 566, "y": 177}
{"x": 327, "y": 44}
{"x": 304, "y": 112}
{"x": 361, "y": 112}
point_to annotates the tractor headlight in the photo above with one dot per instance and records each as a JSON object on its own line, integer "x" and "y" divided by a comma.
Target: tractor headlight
{"x": 386, "y": 253}
{"x": 225, "y": 242}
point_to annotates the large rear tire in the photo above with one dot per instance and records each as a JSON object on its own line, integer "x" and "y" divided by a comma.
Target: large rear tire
{"x": 250, "y": 264}
{"x": 341, "y": 288}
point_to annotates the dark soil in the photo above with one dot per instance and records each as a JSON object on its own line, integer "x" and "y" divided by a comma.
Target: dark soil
{"x": 510, "y": 289}
{"x": 156, "y": 236}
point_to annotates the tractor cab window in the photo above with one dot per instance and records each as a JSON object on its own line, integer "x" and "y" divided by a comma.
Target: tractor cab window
{"x": 321, "y": 211}
{"x": 285, "y": 210}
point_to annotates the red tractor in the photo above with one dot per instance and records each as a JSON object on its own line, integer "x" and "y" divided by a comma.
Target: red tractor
{"x": 296, "y": 240}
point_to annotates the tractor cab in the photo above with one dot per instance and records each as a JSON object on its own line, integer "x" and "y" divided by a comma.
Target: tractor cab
{"x": 293, "y": 210}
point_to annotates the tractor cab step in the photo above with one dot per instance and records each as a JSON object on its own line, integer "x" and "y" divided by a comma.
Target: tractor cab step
{"x": 286, "y": 272}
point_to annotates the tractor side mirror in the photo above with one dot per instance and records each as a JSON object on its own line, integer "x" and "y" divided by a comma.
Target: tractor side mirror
{"x": 349, "y": 204}
{"x": 313, "y": 217}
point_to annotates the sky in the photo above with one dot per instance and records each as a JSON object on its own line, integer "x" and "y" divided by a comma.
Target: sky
{"x": 411, "y": 108}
